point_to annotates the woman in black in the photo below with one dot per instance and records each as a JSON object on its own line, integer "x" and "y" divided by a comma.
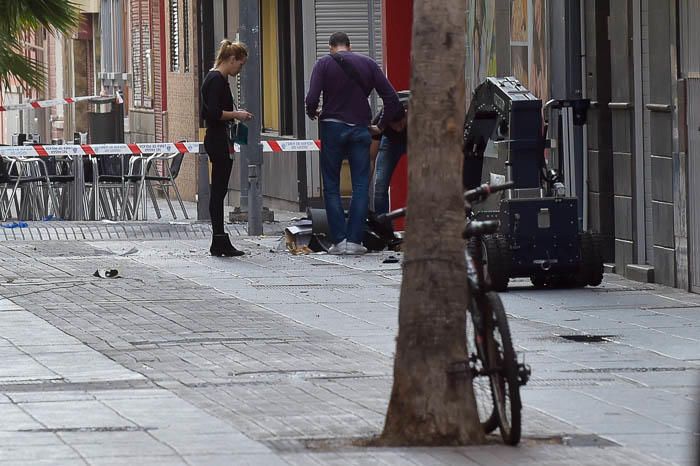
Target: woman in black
{"x": 217, "y": 109}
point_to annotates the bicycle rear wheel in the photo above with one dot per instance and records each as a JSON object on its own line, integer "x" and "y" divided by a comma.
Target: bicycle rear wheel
{"x": 481, "y": 382}
{"x": 503, "y": 368}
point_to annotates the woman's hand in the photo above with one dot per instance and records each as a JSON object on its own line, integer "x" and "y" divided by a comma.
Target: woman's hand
{"x": 243, "y": 115}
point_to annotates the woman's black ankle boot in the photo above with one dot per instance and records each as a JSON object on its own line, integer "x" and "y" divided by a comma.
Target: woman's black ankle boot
{"x": 221, "y": 246}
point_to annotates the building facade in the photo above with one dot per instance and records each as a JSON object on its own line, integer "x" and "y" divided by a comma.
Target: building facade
{"x": 637, "y": 61}
{"x": 294, "y": 33}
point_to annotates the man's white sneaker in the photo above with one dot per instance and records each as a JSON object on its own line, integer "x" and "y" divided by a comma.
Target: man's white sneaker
{"x": 338, "y": 249}
{"x": 355, "y": 249}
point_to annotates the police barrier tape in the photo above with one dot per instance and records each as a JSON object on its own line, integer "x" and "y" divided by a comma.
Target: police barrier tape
{"x": 51, "y": 102}
{"x": 295, "y": 145}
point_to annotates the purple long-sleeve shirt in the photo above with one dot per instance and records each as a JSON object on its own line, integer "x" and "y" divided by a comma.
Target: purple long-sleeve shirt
{"x": 343, "y": 98}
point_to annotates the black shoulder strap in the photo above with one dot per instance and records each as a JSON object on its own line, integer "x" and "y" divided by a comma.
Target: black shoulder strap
{"x": 350, "y": 71}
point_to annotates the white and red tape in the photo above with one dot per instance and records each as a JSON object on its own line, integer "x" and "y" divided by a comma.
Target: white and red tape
{"x": 299, "y": 145}
{"x": 46, "y": 103}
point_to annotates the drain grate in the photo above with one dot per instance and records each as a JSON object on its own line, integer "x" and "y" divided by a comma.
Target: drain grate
{"x": 625, "y": 289}
{"x": 55, "y": 430}
{"x": 296, "y": 286}
{"x": 588, "y": 338}
{"x": 570, "y": 382}
{"x": 202, "y": 340}
{"x": 303, "y": 373}
{"x": 606, "y": 370}
{"x": 60, "y": 385}
{"x": 335, "y": 444}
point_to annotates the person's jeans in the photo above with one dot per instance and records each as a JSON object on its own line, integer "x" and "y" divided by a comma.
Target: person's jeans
{"x": 339, "y": 142}
{"x": 388, "y": 157}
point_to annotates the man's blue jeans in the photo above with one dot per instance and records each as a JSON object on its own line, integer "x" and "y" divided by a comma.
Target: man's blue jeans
{"x": 388, "y": 157}
{"x": 339, "y": 142}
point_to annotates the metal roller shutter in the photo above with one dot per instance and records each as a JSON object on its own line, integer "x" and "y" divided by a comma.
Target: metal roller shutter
{"x": 352, "y": 17}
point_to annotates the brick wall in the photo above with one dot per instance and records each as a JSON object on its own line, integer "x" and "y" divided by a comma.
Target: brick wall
{"x": 183, "y": 122}
{"x": 183, "y": 97}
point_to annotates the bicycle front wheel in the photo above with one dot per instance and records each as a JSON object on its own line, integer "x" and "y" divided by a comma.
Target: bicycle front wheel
{"x": 503, "y": 370}
{"x": 481, "y": 381}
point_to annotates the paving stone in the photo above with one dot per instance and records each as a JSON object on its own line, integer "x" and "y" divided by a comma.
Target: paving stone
{"x": 273, "y": 347}
{"x": 49, "y": 454}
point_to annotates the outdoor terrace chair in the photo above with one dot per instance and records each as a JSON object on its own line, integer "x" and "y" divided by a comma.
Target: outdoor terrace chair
{"x": 24, "y": 183}
{"x": 59, "y": 173}
{"x": 148, "y": 173}
{"x": 112, "y": 170}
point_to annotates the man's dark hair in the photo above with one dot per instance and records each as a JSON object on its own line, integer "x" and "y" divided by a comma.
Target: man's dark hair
{"x": 339, "y": 38}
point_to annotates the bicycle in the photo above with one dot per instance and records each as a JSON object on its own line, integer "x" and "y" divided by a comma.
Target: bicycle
{"x": 497, "y": 376}
{"x": 490, "y": 347}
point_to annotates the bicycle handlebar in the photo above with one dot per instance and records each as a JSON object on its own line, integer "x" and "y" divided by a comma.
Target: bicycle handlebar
{"x": 480, "y": 228}
{"x": 483, "y": 191}
{"x": 394, "y": 214}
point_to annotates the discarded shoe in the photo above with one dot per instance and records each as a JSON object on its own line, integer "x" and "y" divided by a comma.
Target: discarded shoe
{"x": 221, "y": 246}
{"x": 106, "y": 273}
{"x": 354, "y": 249}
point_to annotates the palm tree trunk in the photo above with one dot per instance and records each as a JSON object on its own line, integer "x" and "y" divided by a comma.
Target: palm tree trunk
{"x": 432, "y": 401}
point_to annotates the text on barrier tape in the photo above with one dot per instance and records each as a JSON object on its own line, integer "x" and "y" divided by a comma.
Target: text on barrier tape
{"x": 299, "y": 145}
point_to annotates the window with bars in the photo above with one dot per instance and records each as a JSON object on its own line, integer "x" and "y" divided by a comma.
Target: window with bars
{"x": 142, "y": 66}
{"x": 175, "y": 35}
{"x": 186, "y": 35}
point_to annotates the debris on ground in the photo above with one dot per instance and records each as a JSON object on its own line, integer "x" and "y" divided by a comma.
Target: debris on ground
{"x": 106, "y": 273}
{"x": 131, "y": 251}
{"x": 300, "y": 238}
{"x": 310, "y": 234}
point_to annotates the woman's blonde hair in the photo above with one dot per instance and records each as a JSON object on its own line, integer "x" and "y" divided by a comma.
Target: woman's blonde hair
{"x": 228, "y": 49}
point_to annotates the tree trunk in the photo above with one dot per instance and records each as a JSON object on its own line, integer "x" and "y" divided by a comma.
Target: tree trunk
{"x": 432, "y": 401}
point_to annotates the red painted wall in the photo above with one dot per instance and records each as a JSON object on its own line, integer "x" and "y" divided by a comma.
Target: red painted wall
{"x": 397, "y": 29}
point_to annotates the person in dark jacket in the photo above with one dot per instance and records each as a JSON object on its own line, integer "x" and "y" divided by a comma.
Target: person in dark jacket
{"x": 346, "y": 79}
{"x": 216, "y": 110}
{"x": 388, "y": 146}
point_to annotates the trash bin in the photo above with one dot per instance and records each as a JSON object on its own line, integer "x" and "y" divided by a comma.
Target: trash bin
{"x": 106, "y": 122}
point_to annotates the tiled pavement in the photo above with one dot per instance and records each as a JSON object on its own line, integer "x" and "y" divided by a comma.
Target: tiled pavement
{"x": 280, "y": 359}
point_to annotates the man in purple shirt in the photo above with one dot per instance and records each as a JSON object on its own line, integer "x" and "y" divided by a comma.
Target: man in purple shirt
{"x": 346, "y": 79}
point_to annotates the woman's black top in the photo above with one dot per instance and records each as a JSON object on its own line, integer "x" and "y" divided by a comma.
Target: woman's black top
{"x": 216, "y": 98}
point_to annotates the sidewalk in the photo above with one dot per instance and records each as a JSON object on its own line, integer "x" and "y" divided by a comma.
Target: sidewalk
{"x": 281, "y": 359}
